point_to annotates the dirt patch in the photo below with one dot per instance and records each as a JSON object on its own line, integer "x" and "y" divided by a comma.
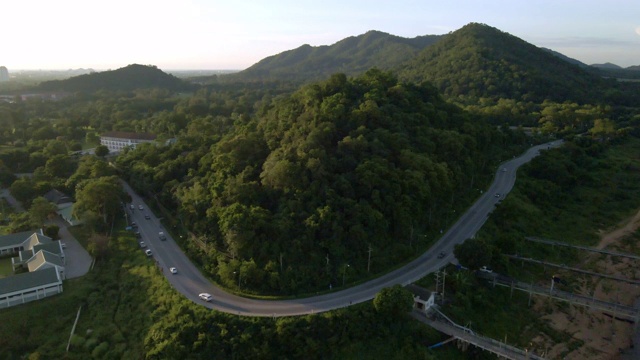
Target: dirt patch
{"x": 593, "y": 334}
{"x": 626, "y": 228}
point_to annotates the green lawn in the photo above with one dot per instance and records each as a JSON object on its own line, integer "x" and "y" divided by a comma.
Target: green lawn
{"x": 5, "y": 267}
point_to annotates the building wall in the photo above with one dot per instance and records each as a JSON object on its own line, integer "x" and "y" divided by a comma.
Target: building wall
{"x": 117, "y": 144}
{"x": 17, "y": 298}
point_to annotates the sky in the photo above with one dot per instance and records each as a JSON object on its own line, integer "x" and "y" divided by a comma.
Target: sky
{"x": 235, "y": 34}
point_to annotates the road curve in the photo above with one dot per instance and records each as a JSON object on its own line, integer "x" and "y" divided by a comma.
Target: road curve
{"x": 190, "y": 282}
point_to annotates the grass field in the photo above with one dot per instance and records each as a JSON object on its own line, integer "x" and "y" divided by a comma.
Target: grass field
{"x": 5, "y": 267}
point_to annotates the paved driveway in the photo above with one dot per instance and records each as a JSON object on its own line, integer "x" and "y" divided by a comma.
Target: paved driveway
{"x": 78, "y": 259}
{"x": 17, "y": 207}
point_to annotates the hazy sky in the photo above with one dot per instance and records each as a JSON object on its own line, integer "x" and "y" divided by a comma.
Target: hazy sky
{"x": 235, "y": 34}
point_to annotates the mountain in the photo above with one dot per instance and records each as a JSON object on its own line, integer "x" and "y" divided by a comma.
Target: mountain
{"x": 124, "y": 79}
{"x": 566, "y": 58}
{"x": 481, "y": 61}
{"x": 607, "y": 65}
{"x": 634, "y": 68}
{"x": 351, "y": 56}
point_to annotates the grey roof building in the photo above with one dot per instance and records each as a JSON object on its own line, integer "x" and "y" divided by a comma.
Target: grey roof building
{"x": 22, "y": 288}
{"x": 45, "y": 260}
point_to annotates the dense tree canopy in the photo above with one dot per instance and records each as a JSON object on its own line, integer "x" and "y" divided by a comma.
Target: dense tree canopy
{"x": 335, "y": 168}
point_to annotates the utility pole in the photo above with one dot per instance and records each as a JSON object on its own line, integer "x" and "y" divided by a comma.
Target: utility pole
{"x": 327, "y": 263}
{"x": 444, "y": 278}
{"x": 344, "y": 272}
{"x": 369, "y": 261}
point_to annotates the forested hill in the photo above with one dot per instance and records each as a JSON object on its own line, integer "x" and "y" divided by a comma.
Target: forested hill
{"x": 481, "y": 61}
{"x": 124, "y": 79}
{"x": 333, "y": 170}
{"x": 353, "y": 55}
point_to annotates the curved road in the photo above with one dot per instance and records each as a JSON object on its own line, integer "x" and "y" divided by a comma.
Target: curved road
{"x": 190, "y": 282}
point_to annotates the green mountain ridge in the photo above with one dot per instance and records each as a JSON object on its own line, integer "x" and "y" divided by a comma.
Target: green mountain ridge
{"x": 481, "y": 61}
{"x": 352, "y": 56}
{"x": 128, "y": 78}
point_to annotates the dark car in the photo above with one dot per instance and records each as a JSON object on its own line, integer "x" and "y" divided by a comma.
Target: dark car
{"x": 442, "y": 254}
{"x": 147, "y": 217}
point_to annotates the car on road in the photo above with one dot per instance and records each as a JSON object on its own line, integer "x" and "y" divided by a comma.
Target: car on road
{"x": 205, "y": 296}
{"x": 173, "y": 270}
{"x": 132, "y": 207}
{"x": 442, "y": 254}
{"x": 140, "y": 207}
{"x": 497, "y": 195}
{"x": 148, "y": 252}
{"x": 161, "y": 236}
{"x": 64, "y": 246}
{"x": 138, "y": 235}
{"x": 147, "y": 217}
{"x": 142, "y": 244}
{"x": 504, "y": 169}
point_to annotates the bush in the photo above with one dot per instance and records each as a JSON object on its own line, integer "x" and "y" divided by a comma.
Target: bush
{"x": 77, "y": 341}
{"x": 100, "y": 350}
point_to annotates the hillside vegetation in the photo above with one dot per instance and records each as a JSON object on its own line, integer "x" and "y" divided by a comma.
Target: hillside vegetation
{"x": 124, "y": 79}
{"x": 481, "y": 61}
{"x": 333, "y": 170}
{"x": 351, "y": 56}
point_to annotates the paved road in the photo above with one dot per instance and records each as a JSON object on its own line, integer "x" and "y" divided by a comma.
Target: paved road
{"x": 190, "y": 282}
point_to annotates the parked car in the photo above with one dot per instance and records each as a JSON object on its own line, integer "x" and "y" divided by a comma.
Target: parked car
{"x": 173, "y": 270}
{"x": 147, "y": 217}
{"x": 140, "y": 207}
{"x": 486, "y": 269}
{"x": 148, "y": 252}
{"x": 161, "y": 236}
{"x": 205, "y": 296}
{"x": 138, "y": 235}
{"x": 142, "y": 244}
{"x": 132, "y": 207}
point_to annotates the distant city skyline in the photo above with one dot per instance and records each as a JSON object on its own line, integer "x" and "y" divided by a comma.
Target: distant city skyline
{"x": 215, "y": 34}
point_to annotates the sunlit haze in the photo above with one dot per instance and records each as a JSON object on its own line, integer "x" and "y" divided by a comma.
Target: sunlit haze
{"x": 214, "y": 34}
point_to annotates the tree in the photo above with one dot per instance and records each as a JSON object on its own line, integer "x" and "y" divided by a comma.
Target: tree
{"x": 92, "y": 138}
{"x": 393, "y": 302}
{"x": 41, "y": 210}
{"x": 52, "y": 231}
{"x": 98, "y": 246}
{"x": 23, "y": 189}
{"x": 473, "y": 253}
{"x": 102, "y": 196}
{"x": 102, "y": 151}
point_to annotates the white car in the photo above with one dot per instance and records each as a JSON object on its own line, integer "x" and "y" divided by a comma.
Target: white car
{"x": 142, "y": 244}
{"x": 140, "y": 207}
{"x": 173, "y": 270}
{"x": 148, "y": 252}
{"x": 205, "y": 296}
{"x": 486, "y": 269}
